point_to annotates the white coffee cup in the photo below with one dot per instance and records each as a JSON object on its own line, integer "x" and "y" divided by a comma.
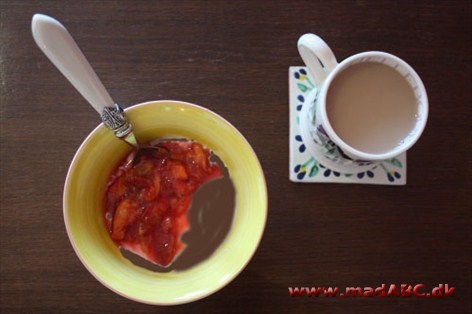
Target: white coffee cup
{"x": 370, "y": 107}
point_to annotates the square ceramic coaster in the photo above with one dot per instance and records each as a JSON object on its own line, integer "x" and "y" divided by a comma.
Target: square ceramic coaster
{"x": 304, "y": 168}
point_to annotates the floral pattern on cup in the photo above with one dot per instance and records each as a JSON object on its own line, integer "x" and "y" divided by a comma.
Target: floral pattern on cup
{"x": 312, "y": 168}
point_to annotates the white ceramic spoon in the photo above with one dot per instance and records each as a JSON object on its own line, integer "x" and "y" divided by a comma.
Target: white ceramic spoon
{"x": 59, "y": 46}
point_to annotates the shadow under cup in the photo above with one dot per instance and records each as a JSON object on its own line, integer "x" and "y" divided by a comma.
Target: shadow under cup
{"x": 349, "y": 108}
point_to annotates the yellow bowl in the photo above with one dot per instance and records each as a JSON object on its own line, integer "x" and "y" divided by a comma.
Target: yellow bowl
{"x": 88, "y": 175}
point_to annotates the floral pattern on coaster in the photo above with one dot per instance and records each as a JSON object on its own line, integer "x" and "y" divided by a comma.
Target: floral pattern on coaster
{"x": 305, "y": 168}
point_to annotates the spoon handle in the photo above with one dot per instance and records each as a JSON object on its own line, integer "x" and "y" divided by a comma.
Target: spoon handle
{"x": 59, "y": 46}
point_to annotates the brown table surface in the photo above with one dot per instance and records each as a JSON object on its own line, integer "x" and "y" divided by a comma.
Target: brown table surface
{"x": 233, "y": 57}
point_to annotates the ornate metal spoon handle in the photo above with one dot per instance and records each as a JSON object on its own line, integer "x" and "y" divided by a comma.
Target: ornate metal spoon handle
{"x": 114, "y": 118}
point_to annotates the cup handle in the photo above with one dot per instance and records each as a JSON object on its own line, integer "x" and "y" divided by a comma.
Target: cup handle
{"x": 317, "y": 56}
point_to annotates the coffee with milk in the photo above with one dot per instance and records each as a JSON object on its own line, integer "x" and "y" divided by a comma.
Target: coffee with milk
{"x": 371, "y": 107}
